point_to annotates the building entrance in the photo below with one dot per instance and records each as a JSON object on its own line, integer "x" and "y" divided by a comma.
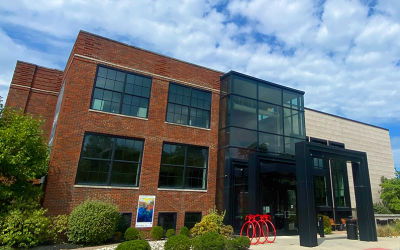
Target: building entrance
{"x": 278, "y": 198}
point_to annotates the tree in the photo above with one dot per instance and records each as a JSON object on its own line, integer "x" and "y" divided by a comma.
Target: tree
{"x": 390, "y": 193}
{"x": 23, "y": 156}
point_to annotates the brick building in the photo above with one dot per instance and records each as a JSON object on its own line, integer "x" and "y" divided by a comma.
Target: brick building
{"x": 123, "y": 122}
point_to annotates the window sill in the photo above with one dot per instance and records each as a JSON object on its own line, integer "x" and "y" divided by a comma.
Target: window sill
{"x": 171, "y": 123}
{"x": 104, "y": 187}
{"x": 109, "y": 113}
{"x": 183, "y": 190}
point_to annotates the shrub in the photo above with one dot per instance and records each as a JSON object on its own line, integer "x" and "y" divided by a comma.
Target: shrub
{"x": 386, "y": 231}
{"x": 170, "y": 232}
{"x": 58, "y": 228}
{"x": 380, "y": 208}
{"x": 209, "y": 241}
{"x": 327, "y": 224}
{"x": 142, "y": 235}
{"x": 117, "y": 236}
{"x": 226, "y": 231}
{"x": 215, "y": 217}
{"x": 177, "y": 242}
{"x": 92, "y": 222}
{"x": 157, "y": 232}
{"x": 184, "y": 231}
{"x": 204, "y": 226}
{"x": 131, "y": 234}
{"x": 25, "y": 225}
{"x": 243, "y": 243}
{"x": 134, "y": 245}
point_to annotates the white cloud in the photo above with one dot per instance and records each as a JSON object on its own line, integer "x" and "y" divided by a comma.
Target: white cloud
{"x": 343, "y": 59}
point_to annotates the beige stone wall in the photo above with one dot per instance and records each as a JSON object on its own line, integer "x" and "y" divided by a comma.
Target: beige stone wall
{"x": 356, "y": 136}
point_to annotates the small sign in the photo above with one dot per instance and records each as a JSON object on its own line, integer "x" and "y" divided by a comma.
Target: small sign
{"x": 145, "y": 211}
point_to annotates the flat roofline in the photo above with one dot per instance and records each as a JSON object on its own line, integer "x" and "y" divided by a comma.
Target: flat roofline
{"x": 344, "y": 118}
{"x": 149, "y": 51}
{"x": 232, "y": 72}
{"x": 39, "y": 65}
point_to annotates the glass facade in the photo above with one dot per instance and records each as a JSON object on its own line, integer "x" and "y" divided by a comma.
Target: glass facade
{"x": 259, "y": 116}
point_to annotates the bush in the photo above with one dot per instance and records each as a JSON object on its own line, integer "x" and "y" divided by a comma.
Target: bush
{"x": 184, "y": 231}
{"x": 131, "y": 234}
{"x": 170, "y": 232}
{"x": 157, "y": 233}
{"x": 204, "y": 226}
{"x": 117, "y": 236}
{"x": 209, "y": 241}
{"x": 142, "y": 235}
{"x": 25, "y": 225}
{"x": 215, "y": 217}
{"x": 92, "y": 222}
{"x": 380, "y": 208}
{"x": 243, "y": 243}
{"x": 177, "y": 242}
{"x": 386, "y": 231}
{"x": 59, "y": 227}
{"x": 134, "y": 245}
{"x": 327, "y": 224}
{"x": 226, "y": 231}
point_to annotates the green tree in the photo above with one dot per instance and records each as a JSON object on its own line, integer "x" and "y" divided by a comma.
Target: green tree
{"x": 23, "y": 156}
{"x": 390, "y": 193}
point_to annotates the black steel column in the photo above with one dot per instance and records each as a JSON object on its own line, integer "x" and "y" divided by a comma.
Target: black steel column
{"x": 307, "y": 215}
{"x": 254, "y": 191}
{"x": 364, "y": 203}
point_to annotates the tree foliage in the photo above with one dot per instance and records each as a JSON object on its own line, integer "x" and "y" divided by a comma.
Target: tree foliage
{"x": 23, "y": 155}
{"x": 390, "y": 193}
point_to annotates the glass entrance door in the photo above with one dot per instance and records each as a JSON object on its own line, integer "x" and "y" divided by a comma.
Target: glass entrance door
{"x": 240, "y": 185}
{"x": 278, "y": 198}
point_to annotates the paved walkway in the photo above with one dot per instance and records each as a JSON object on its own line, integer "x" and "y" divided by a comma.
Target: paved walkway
{"x": 333, "y": 241}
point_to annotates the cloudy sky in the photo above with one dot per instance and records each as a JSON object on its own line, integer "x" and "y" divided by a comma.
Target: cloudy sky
{"x": 344, "y": 54}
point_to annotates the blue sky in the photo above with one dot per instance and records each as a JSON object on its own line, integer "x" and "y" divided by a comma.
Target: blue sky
{"x": 345, "y": 54}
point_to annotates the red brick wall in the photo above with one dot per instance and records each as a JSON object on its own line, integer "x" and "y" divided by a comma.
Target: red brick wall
{"x": 35, "y": 89}
{"x": 75, "y": 118}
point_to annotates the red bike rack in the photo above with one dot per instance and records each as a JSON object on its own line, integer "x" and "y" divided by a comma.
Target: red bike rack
{"x": 257, "y": 222}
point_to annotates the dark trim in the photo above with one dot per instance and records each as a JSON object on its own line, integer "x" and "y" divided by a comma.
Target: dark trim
{"x": 317, "y": 140}
{"x": 344, "y": 118}
{"x": 111, "y": 160}
{"x": 336, "y": 144}
{"x": 231, "y": 72}
{"x": 148, "y": 51}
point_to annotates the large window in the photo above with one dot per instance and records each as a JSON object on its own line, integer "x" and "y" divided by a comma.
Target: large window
{"x": 338, "y": 172}
{"x": 121, "y": 92}
{"x": 109, "y": 160}
{"x": 188, "y": 106}
{"x": 167, "y": 221}
{"x": 320, "y": 190}
{"x": 183, "y": 166}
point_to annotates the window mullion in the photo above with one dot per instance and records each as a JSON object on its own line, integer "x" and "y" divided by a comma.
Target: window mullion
{"x": 184, "y": 167}
{"x": 122, "y": 94}
{"x": 112, "y": 162}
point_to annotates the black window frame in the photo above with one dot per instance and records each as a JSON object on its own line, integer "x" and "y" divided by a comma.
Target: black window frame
{"x": 185, "y": 221}
{"x": 122, "y": 214}
{"x": 108, "y": 184}
{"x": 189, "y": 106}
{"x": 123, "y": 90}
{"x": 175, "y": 214}
{"x": 184, "y": 166}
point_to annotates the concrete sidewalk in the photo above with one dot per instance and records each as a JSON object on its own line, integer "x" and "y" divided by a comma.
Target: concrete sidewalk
{"x": 333, "y": 241}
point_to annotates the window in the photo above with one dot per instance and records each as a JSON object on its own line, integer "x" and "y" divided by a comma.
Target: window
{"x": 124, "y": 222}
{"x": 188, "y": 106}
{"x": 338, "y": 168}
{"x": 167, "y": 221}
{"x": 320, "y": 190}
{"x": 183, "y": 166}
{"x": 318, "y": 163}
{"x": 108, "y": 160}
{"x": 191, "y": 219}
{"x": 120, "y": 92}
